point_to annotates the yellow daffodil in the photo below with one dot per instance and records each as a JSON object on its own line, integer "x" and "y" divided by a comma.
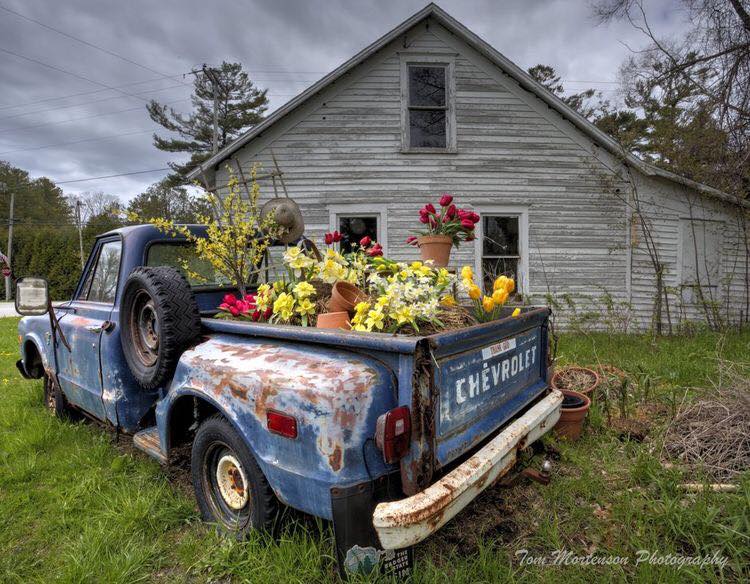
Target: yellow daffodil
{"x": 283, "y": 306}
{"x": 448, "y": 300}
{"x": 516, "y": 312}
{"x": 403, "y": 315}
{"x": 306, "y": 306}
{"x": 500, "y": 296}
{"x": 488, "y": 304}
{"x": 467, "y": 273}
{"x": 375, "y": 319}
{"x": 475, "y": 292}
{"x": 303, "y": 290}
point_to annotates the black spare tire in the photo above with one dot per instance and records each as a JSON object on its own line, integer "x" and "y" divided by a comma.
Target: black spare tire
{"x": 159, "y": 318}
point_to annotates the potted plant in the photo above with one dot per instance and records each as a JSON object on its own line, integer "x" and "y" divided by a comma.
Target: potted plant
{"x": 574, "y": 378}
{"x": 445, "y": 228}
{"x": 575, "y": 406}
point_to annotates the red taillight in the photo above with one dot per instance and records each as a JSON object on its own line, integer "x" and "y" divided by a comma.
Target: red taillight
{"x": 281, "y": 424}
{"x": 393, "y": 434}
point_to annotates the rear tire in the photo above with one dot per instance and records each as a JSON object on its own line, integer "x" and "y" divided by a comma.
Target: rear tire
{"x": 159, "y": 319}
{"x": 230, "y": 487}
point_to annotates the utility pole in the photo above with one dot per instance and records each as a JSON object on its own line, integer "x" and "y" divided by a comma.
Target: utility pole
{"x": 10, "y": 243}
{"x": 211, "y": 74}
{"x": 80, "y": 229}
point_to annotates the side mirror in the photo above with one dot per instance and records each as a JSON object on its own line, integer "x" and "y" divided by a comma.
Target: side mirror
{"x": 32, "y": 296}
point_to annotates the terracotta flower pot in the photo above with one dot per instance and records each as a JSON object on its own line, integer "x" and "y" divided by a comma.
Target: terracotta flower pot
{"x": 334, "y": 320}
{"x": 344, "y": 297}
{"x": 436, "y": 248}
{"x": 575, "y": 378}
{"x": 572, "y": 415}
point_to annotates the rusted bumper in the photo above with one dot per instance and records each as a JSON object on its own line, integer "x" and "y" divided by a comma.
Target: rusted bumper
{"x": 403, "y": 523}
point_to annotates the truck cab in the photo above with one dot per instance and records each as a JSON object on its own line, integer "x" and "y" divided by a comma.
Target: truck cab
{"x": 405, "y": 430}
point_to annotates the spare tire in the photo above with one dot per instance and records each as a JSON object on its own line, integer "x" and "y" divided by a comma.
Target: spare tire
{"x": 159, "y": 318}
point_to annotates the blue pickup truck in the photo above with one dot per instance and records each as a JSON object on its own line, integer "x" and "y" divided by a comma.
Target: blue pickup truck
{"x": 387, "y": 436}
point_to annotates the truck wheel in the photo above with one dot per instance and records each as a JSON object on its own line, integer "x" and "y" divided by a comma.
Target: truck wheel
{"x": 55, "y": 402}
{"x": 159, "y": 318}
{"x": 229, "y": 486}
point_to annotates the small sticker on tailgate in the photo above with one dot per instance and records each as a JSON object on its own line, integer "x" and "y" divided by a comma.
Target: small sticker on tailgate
{"x": 498, "y": 349}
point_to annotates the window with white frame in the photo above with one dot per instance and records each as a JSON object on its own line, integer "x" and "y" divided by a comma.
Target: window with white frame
{"x": 428, "y": 114}
{"x": 354, "y": 224}
{"x": 502, "y": 247}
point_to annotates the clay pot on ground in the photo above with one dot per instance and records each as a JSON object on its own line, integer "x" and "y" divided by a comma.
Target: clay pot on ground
{"x": 436, "y": 248}
{"x": 576, "y": 378}
{"x": 334, "y": 320}
{"x": 344, "y": 297}
{"x": 575, "y": 406}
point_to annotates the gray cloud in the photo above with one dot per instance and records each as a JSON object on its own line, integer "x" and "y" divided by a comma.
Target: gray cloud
{"x": 286, "y": 45}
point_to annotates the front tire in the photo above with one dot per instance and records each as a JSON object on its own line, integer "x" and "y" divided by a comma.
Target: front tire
{"x": 230, "y": 487}
{"x": 54, "y": 400}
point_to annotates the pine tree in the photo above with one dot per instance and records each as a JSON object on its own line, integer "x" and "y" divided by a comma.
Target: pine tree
{"x": 240, "y": 106}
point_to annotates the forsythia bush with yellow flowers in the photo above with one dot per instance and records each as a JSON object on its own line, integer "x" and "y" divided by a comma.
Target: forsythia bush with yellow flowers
{"x": 487, "y": 307}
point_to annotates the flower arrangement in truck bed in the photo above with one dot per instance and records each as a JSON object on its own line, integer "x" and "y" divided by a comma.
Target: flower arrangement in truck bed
{"x": 487, "y": 306}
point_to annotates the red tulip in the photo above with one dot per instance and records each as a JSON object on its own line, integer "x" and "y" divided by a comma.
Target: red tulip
{"x": 467, "y": 224}
{"x": 430, "y": 208}
{"x": 337, "y": 236}
{"x": 474, "y": 217}
{"x": 375, "y": 250}
{"x": 446, "y": 200}
{"x": 267, "y": 313}
{"x": 365, "y": 241}
{"x": 234, "y": 311}
{"x": 451, "y": 212}
{"x": 424, "y": 218}
{"x": 256, "y": 316}
{"x": 230, "y": 300}
{"x": 463, "y": 213}
{"x": 411, "y": 240}
{"x": 328, "y": 237}
{"x": 471, "y": 237}
{"x": 223, "y": 306}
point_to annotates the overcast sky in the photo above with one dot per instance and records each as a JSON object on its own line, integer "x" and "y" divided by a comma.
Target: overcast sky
{"x": 59, "y": 119}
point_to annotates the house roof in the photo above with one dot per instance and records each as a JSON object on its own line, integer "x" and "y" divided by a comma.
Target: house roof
{"x": 519, "y": 75}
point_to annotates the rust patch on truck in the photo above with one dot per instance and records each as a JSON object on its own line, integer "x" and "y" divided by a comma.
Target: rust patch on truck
{"x": 322, "y": 391}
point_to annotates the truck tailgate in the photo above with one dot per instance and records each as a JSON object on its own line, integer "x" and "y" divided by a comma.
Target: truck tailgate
{"x": 485, "y": 380}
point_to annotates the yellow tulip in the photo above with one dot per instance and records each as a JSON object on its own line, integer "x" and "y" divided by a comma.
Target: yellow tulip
{"x": 510, "y": 285}
{"x": 467, "y": 273}
{"x": 448, "y": 300}
{"x": 500, "y": 283}
{"x": 500, "y": 296}
{"x": 516, "y": 312}
{"x": 475, "y": 292}
{"x": 488, "y": 303}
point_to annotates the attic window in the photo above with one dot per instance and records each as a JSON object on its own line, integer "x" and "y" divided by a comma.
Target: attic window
{"x": 427, "y": 106}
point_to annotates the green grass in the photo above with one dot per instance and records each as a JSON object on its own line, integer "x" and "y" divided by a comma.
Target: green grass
{"x": 75, "y": 507}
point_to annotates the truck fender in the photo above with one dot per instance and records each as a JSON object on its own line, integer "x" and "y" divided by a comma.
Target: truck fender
{"x": 31, "y": 350}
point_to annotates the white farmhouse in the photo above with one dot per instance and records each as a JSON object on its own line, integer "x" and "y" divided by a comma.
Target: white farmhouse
{"x": 431, "y": 108}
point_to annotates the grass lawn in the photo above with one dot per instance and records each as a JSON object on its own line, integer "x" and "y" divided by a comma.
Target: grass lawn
{"x": 76, "y": 507}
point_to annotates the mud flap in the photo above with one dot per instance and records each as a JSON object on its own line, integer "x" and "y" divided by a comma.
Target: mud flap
{"x": 358, "y": 549}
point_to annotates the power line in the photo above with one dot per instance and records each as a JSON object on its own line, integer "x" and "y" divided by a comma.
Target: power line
{"x": 71, "y": 142}
{"x": 67, "y": 182}
{"x": 71, "y": 73}
{"x": 132, "y": 109}
{"x": 51, "y": 109}
{"x": 60, "y": 97}
{"x": 84, "y": 42}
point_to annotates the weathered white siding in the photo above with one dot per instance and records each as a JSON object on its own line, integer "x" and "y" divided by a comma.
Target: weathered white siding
{"x": 343, "y": 147}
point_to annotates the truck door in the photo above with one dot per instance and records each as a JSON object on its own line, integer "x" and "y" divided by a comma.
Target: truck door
{"x": 83, "y": 322}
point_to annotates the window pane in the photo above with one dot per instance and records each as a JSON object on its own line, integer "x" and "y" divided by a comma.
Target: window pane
{"x": 104, "y": 283}
{"x": 355, "y": 228}
{"x": 427, "y": 129}
{"x": 183, "y": 257}
{"x": 427, "y": 86}
{"x": 494, "y": 267}
{"x": 500, "y": 236}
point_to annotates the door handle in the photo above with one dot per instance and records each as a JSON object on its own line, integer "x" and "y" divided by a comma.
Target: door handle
{"x": 106, "y": 327}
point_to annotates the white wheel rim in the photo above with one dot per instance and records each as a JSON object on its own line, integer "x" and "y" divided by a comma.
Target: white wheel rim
{"x": 232, "y": 482}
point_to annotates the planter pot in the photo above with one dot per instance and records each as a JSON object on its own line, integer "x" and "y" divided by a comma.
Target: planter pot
{"x": 344, "y": 297}
{"x": 578, "y": 379}
{"x": 436, "y": 248}
{"x": 573, "y": 413}
{"x": 334, "y": 320}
